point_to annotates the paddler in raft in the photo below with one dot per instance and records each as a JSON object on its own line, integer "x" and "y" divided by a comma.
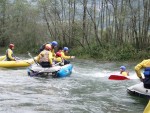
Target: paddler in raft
{"x": 64, "y": 55}
{"x": 45, "y": 58}
{"x": 145, "y": 64}
{"x": 53, "y": 45}
{"x": 9, "y": 53}
{"x": 123, "y": 71}
{"x": 58, "y": 59}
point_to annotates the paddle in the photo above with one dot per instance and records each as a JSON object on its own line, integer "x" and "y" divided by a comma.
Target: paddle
{"x": 33, "y": 58}
{"x": 40, "y": 72}
{"x": 118, "y": 77}
{"x": 19, "y": 59}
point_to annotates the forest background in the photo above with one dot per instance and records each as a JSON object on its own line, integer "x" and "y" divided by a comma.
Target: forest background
{"x": 99, "y": 29}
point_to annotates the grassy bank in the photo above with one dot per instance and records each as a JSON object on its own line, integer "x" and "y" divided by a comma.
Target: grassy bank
{"x": 105, "y": 53}
{"x": 112, "y": 53}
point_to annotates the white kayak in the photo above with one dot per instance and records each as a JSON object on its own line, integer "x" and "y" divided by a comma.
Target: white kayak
{"x": 139, "y": 90}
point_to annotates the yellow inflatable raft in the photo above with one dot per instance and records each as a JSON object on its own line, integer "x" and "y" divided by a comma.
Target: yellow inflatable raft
{"x": 14, "y": 64}
{"x": 2, "y": 58}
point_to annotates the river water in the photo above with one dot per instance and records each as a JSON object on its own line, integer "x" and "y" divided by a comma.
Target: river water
{"x": 87, "y": 90}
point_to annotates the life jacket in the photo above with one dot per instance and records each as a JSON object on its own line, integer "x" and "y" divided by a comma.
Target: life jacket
{"x": 147, "y": 72}
{"x": 124, "y": 73}
{"x": 58, "y": 59}
{"x": 44, "y": 56}
{"x": 146, "y": 80}
{"x": 7, "y": 57}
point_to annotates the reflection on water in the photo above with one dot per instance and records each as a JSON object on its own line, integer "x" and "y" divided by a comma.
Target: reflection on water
{"x": 87, "y": 90}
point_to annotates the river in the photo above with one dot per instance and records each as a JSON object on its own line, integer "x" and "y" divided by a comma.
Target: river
{"x": 87, "y": 90}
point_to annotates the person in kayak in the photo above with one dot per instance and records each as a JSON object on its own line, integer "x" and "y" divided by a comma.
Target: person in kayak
{"x": 145, "y": 64}
{"x": 53, "y": 45}
{"x": 64, "y": 55}
{"x": 123, "y": 71}
{"x": 45, "y": 58}
{"x": 9, "y": 53}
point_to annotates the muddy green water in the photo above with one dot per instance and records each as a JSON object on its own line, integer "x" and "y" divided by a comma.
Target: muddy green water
{"x": 87, "y": 90}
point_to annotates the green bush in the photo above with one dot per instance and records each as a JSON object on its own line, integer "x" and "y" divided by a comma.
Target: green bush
{"x": 110, "y": 52}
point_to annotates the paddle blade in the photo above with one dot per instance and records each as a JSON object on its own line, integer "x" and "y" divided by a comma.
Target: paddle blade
{"x": 117, "y": 77}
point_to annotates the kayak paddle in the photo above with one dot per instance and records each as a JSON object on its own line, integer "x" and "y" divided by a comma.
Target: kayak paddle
{"x": 33, "y": 58}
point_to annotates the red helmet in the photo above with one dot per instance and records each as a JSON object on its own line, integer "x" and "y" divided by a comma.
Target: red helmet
{"x": 48, "y": 47}
{"x": 11, "y": 46}
{"x": 58, "y": 54}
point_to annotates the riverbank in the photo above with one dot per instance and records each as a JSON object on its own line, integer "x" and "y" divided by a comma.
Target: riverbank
{"x": 126, "y": 53}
